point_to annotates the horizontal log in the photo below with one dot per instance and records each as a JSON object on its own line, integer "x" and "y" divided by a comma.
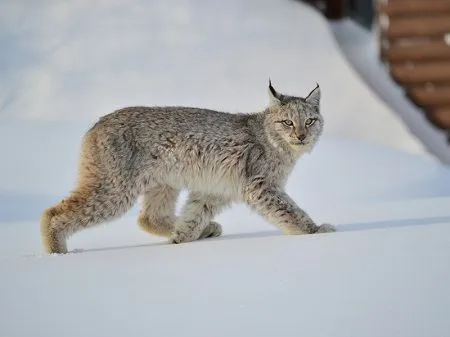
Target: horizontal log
{"x": 427, "y": 51}
{"x": 439, "y": 96}
{"x": 440, "y": 117}
{"x": 418, "y": 27}
{"x": 429, "y": 85}
{"x": 414, "y": 7}
{"x": 417, "y": 74}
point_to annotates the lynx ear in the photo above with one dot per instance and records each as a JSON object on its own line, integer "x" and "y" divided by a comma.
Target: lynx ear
{"x": 275, "y": 97}
{"x": 314, "y": 96}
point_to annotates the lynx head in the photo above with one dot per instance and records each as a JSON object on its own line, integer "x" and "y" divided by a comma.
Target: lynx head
{"x": 296, "y": 122}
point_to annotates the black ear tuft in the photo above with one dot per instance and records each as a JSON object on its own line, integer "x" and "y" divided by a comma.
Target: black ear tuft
{"x": 314, "y": 96}
{"x": 312, "y": 91}
{"x": 272, "y": 90}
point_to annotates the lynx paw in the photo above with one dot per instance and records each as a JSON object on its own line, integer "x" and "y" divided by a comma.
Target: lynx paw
{"x": 54, "y": 243}
{"x": 326, "y": 228}
{"x": 181, "y": 237}
{"x": 213, "y": 230}
{"x": 53, "y": 240}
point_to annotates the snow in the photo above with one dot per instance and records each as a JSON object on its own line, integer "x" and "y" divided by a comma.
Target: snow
{"x": 389, "y": 282}
{"x": 384, "y": 273}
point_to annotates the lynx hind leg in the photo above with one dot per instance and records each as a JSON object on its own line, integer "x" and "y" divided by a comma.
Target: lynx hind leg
{"x": 53, "y": 240}
{"x": 86, "y": 207}
{"x": 195, "y": 220}
{"x": 96, "y": 199}
{"x": 158, "y": 210}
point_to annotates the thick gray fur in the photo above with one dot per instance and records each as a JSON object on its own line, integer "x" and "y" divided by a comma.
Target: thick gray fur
{"x": 221, "y": 158}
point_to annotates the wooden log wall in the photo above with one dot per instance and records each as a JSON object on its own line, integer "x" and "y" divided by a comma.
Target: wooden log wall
{"x": 415, "y": 43}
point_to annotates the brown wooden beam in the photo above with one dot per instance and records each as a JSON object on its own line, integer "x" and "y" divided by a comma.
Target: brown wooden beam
{"x": 440, "y": 117}
{"x": 418, "y": 27}
{"x": 416, "y": 74}
{"x": 414, "y": 7}
{"x": 426, "y": 51}
{"x": 438, "y": 96}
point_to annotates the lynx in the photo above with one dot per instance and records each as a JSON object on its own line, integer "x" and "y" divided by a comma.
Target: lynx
{"x": 220, "y": 158}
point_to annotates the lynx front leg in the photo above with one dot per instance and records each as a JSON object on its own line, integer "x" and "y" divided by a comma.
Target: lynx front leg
{"x": 195, "y": 220}
{"x": 279, "y": 209}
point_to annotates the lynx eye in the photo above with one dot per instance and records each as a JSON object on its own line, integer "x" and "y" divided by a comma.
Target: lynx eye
{"x": 287, "y": 122}
{"x": 310, "y": 121}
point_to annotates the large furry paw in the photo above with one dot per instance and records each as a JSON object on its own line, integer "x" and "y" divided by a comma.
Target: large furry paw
{"x": 181, "y": 236}
{"x": 294, "y": 231}
{"x": 326, "y": 228}
{"x": 54, "y": 243}
{"x": 214, "y": 229}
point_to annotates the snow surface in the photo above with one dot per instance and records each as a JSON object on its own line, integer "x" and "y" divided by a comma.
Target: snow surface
{"x": 384, "y": 273}
{"x": 361, "y": 281}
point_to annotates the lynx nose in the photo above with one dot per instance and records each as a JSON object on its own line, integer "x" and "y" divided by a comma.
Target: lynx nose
{"x": 301, "y": 137}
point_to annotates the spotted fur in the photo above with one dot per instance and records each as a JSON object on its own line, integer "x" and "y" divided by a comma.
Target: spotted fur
{"x": 221, "y": 158}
